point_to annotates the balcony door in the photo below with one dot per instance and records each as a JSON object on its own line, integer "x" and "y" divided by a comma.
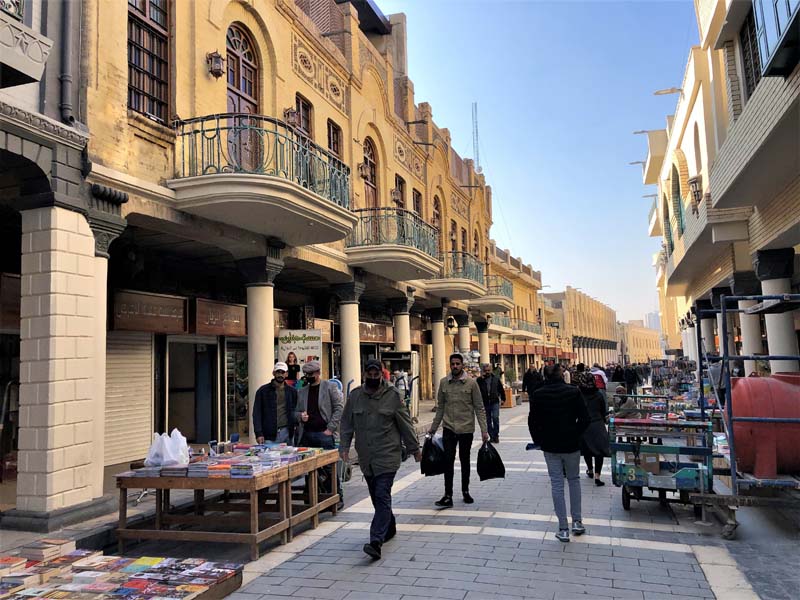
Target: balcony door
{"x": 371, "y": 200}
{"x": 244, "y": 142}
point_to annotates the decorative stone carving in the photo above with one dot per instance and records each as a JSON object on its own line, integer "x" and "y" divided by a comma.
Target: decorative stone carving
{"x": 460, "y": 206}
{"x": 349, "y": 293}
{"x": 43, "y": 126}
{"x": 23, "y": 50}
{"x": 367, "y": 57}
{"x": 407, "y": 157}
{"x": 260, "y": 270}
{"x": 104, "y": 216}
{"x": 316, "y": 72}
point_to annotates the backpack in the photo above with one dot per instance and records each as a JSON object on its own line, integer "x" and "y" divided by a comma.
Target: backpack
{"x": 599, "y": 383}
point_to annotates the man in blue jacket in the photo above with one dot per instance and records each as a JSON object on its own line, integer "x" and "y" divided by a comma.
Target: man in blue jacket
{"x": 274, "y": 408}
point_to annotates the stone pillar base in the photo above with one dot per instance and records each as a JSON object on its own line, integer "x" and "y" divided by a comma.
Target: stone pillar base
{"x": 46, "y": 522}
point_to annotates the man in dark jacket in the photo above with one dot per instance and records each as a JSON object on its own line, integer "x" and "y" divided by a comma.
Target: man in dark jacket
{"x": 631, "y": 379}
{"x": 491, "y": 391}
{"x": 557, "y": 420}
{"x": 274, "y": 408}
{"x": 376, "y": 414}
{"x": 532, "y": 380}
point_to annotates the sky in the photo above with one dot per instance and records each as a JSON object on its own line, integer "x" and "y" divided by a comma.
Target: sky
{"x": 561, "y": 86}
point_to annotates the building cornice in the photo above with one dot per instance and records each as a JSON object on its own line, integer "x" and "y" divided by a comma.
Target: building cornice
{"x": 47, "y": 130}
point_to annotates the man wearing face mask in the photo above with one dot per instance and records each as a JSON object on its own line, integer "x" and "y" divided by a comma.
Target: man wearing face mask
{"x": 319, "y": 409}
{"x": 376, "y": 413}
{"x": 491, "y": 391}
{"x": 459, "y": 403}
{"x": 274, "y": 408}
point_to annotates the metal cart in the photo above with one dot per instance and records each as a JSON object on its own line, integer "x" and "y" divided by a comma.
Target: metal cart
{"x": 745, "y": 487}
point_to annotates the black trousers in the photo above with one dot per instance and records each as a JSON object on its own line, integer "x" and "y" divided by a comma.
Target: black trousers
{"x": 380, "y": 492}
{"x": 598, "y": 463}
{"x": 463, "y": 441}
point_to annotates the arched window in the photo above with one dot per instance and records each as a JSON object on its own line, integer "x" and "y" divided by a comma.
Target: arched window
{"x": 371, "y": 179}
{"x": 453, "y": 236}
{"x": 242, "y": 61}
{"x": 677, "y": 202}
{"x": 476, "y": 244}
{"x": 437, "y": 213}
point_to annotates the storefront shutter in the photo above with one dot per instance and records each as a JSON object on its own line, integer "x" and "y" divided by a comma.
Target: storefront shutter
{"x": 129, "y": 396}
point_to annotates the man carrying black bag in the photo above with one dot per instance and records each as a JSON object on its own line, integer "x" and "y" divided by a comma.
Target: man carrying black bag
{"x": 377, "y": 415}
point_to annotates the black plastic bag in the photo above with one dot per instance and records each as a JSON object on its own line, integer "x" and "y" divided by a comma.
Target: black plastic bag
{"x": 490, "y": 465}
{"x": 433, "y": 459}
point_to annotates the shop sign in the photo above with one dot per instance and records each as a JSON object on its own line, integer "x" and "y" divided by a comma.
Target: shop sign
{"x": 519, "y": 348}
{"x": 156, "y": 313}
{"x": 538, "y": 350}
{"x": 299, "y": 346}
{"x": 9, "y": 303}
{"x": 375, "y": 332}
{"x": 503, "y": 348}
{"x": 325, "y": 327}
{"x": 219, "y": 318}
{"x": 554, "y": 324}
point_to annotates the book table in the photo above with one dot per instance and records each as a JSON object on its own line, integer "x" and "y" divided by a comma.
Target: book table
{"x": 265, "y": 514}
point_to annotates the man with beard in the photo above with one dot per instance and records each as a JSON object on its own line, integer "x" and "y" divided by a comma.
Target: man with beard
{"x": 376, "y": 414}
{"x": 273, "y": 410}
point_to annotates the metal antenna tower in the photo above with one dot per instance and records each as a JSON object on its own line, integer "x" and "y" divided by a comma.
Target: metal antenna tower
{"x": 475, "y": 141}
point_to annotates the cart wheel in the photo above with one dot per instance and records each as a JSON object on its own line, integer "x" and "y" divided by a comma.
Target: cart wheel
{"x": 729, "y": 531}
{"x": 626, "y": 498}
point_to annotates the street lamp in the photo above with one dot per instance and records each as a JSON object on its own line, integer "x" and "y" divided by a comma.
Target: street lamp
{"x": 668, "y": 91}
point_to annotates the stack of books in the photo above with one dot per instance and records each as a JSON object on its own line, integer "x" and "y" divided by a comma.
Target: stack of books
{"x": 174, "y": 471}
{"x": 8, "y": 564}
{"x": 147, "y": 472}
{"x": 198, "y": 469}
{"x": 219, "y": 470}
{"x": 47, "y": 549}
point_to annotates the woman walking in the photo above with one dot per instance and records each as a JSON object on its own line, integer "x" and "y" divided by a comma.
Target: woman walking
{"x": 594, "y": 444}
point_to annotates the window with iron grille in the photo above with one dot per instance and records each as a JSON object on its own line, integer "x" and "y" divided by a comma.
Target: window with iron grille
{"x": 334, "y": 138}
{"x": 148, "y": 58}
{"x": 416, "y": 195}
{"x": 751, "y": 62}
{"x": 305, "y": 115}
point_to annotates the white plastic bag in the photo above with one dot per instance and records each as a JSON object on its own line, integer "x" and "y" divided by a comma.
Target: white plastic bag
{"x": 179, "y": 447}
{"x": 167, "y": 450}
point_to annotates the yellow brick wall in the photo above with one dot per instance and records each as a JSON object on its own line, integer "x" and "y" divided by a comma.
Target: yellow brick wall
{"x": 781, "y": 214}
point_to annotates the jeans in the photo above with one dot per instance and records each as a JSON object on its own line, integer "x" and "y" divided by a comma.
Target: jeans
{"x": 317, "y": 439}
{"x": 380, "y": 492}
{"x": 493, "y": 419}
{"x": 557, "y": 464}
{"x": 450, "y": 440}
{"x": 282, "y": 437}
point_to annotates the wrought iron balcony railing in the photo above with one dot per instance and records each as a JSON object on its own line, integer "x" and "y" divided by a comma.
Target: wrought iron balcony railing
{"x": 499, "y": 286}
{"x": 522, "y": 325}
{"x": 13, "y": 8}
{"x": 501, "y": 321}
{"x": 243, "y": 143}
{"x": 462, "y": 265}
{"x": 390, "y": 225}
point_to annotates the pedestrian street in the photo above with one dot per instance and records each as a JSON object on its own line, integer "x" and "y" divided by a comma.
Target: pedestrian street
{"x": 502, "y": 546}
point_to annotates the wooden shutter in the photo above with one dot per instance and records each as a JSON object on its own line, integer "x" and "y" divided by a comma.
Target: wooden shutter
{"x": 129, "y": 396}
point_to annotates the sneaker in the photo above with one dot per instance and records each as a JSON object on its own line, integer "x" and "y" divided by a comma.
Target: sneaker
{"x": 578, "y": 528}
{"x": 467, "y": 498}
{"x": 445, "y": 502}
{"x": 599, "y": 482}
{"x": 373, "y": 550}
{"x": 563, "y": 535}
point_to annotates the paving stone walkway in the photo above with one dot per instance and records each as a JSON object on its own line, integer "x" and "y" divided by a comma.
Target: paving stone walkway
{"x": 502, "y": 546}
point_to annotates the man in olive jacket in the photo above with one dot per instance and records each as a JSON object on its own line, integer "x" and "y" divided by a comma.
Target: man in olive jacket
{"x": 459, "y": 403}
{"x": 377, "y": 414}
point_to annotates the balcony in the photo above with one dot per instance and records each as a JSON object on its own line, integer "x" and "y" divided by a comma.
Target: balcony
{"x": 394, "y": 243}
{"x": 500, "y": 324}
{"x": 499, "y": 295}
{"x": 461, "y": 278}
{"x": 24, "y": 52}
{"x": 525, "y": 329}
{"x": 654, "y": 228}
{"x": 259, "y": 174}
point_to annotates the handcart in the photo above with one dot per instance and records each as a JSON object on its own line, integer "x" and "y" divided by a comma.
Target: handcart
{"x": 665, "y": 456}
{"x": 746, "y": 489}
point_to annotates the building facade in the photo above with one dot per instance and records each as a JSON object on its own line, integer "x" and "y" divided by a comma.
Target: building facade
{"x": 638, "y": 343}
{"x": 726, "y": 169}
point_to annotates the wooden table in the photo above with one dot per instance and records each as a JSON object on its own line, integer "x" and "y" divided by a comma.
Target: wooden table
{"x": 263, "y": 519}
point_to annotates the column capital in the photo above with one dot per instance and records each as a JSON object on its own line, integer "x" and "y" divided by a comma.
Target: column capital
{"x": 482, "y": 326}
{"x": 744, "y": 283}
{"x": 401, "y": 306}
{"x": 105, "y": 217}
{"x": 704, "y": 304}
{"x": 349, "y": 293}
{"x": 437, "y": 315}
{"x": 260, "y": 270}
{"x": 774, "y": 264}
{"x": 716, "y": 295}
{"x": 462, "y": 320}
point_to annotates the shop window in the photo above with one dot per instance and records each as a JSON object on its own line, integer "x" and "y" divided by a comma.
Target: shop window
{"x": 148, "y": 58}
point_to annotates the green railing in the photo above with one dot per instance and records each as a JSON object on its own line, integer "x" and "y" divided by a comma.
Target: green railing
{"x": 243, "y": 143}
{"x": 522, "y": 325}
{"x": 13, "y": 8}
{"x": 501, "y": 321}
{"x": 377, "y": 226}
{"x": 462, "y": 265}
{"x": 499, "y": 286}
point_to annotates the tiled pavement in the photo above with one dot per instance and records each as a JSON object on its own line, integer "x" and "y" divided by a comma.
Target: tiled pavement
{"x": 503, "y": 545}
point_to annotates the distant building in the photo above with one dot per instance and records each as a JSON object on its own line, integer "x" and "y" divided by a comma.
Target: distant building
{"x": 652, "y": 320}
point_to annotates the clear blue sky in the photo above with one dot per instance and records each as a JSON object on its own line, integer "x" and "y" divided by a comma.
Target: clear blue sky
{"x": 560, "y": 87}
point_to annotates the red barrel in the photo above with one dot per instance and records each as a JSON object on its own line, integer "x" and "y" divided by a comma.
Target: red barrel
{"x": 766, "y": 449}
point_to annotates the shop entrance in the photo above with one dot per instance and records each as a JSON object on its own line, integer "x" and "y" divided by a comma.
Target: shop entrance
{"x": 193, "y": 389}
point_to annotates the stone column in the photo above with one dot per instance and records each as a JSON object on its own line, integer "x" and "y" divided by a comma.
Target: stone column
{"x": 463, "y": 339}
{"x": 58, "y": 407}
{"x": 716, "y": 302}
{"x": 349, "y": 294}
{"x": 691, "y": 341}
{"x": 402, "y": 323}
{"x": 260, "y": 273}
{"x": 437, "y": 316}
{"x": 707, "y": 327}
{"x": 107, "y": 224}
{"x": 745, "y": 283}
{"x": 774, "y": 269}
{"x": 483, "y": 340}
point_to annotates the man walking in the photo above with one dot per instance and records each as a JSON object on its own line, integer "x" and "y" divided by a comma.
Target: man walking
{"x": 532, "y": 380}
{"x": 318, "y": 412}
{"x": 274, "y": 408}
{"x": 458, "y": 404}
{"x": 376, "y": 414}
{"x": 557, "y": 420}
{"x": 491, "y": 391}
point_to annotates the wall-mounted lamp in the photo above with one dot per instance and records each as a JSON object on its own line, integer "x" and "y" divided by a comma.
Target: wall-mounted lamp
{"x": 216, "y": 64}
{"x": 451, "y": 324}
{"x": 292, "y": 116}
{"x": 696, "y": 188}
{"x": 363, "y": 170}
{"x": 397, "y": 195}
{"x": 668, "y": 91}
